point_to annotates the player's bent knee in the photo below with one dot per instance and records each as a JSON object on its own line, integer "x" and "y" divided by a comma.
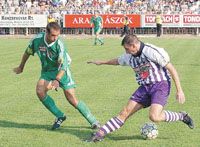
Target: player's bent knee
{"x": 40, "y": 93}
{"x": 154, "y": 118}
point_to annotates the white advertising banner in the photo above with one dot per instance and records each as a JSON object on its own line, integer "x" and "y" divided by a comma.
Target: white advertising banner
{"x": 191, "y": 20}
{"x": 23, "y": 21}
{"x": 168, "y": 20}
{"x": 172, "y": 20}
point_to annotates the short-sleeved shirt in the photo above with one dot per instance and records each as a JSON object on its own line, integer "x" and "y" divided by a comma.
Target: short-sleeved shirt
{"x": 126, "y": 22}
{"x": 97, "y": 21}
{"x": 158, "y": 19}
{"x": 53, "y": 57}
{"x": 149, "y": 64}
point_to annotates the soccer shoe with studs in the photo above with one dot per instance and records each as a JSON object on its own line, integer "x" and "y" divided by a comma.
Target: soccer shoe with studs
{"x": 95, "y": 125}
{"x": 187, "y": 120}
{"x": 58, "y": 122}
{"x": 95, "y": 137}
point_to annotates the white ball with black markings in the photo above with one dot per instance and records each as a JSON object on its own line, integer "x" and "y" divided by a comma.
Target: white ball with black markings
{"x": 149, "y": 131}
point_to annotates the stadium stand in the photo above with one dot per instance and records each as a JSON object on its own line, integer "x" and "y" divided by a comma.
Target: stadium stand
{"x": 58, "y": 8}
{"x": 103, "y": 6}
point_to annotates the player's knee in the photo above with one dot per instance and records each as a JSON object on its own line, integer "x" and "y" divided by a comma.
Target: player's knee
{"x": 40, "y": 93}
{"x": 154, "y": 117}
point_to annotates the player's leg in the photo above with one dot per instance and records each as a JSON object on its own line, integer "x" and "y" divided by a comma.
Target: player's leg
{"x": 157, "y": 29}
{"x": 157, "y": 114}
{"x": 123, "y": 31}
{"x": 138, "y": 100}
{"x": 160, "y": 28}
{"x": 126, "y": 30}
{"x": 81, "y": 107}
{"x": 159, "y": 94}
{"x": 98, "y": 37}
{"x": 117, "y": 122}
{"x": 48, "y": 102}
{"x": 67, "y": 84}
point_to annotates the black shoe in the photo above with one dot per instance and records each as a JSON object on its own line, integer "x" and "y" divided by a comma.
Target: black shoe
{"x": 188, "y": 120}
{"x": 95, "y": 137}
{"x": 102, "y": 43}
{"x": 96, "y": 125}
{"x": 58, "y": 122}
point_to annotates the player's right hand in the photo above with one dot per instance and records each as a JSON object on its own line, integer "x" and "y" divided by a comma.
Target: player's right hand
{"x": 94, "y": 62}
{"x": 17, "y": 70}
{"x": 50, "y": 86}
{"x": 180, "y": 97}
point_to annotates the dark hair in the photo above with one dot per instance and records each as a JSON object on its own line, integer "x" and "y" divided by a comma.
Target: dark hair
{"x": 52, "y": 25}
{"x": 130, "y": 39}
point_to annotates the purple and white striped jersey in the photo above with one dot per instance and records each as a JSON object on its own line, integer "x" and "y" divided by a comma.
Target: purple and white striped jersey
{"x": 149, "y": 64}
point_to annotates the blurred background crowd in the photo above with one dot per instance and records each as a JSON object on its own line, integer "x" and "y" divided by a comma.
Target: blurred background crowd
{"x": 59, "y": 7}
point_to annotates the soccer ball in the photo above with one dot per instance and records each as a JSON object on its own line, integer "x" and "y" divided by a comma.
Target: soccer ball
{"x": 149, "y": 131}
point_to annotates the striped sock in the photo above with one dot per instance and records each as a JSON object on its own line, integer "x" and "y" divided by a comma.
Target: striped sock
{"x": 173, "y": 116}
{"x": 112, "y": 125}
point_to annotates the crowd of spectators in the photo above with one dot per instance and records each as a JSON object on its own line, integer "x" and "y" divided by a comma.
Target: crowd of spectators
{"x": 59, "y": 7}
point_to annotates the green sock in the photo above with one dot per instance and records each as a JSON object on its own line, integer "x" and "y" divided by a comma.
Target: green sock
{"x": 100, "y": 40}
{"x": 49, "y": 103}
{"x": 85, "y": 111}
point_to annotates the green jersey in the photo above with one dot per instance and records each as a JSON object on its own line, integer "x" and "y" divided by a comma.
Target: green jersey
{"x": 53, "y": 57}
{"x": 97, "y": 21}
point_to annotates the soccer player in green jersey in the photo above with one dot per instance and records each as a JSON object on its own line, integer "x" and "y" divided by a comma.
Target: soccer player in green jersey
{"x": 55, "y": 73}
{"x": 97, "y": 21}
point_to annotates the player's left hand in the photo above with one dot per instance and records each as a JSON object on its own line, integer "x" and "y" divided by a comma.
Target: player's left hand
{"x": 55, "y": 84}
{"x": 180, "y": 97}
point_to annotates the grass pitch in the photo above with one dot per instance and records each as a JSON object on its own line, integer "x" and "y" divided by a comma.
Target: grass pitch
{"x": 105, "y": 89}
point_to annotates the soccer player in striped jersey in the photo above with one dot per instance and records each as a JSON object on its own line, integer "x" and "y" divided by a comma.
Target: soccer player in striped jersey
{"x": 55, "y": 62}
{"x": 153, "y": 72}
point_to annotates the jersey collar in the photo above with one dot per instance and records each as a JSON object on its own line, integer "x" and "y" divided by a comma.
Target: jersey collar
{"x": 140, "y": 50}
{"x": 48, "y": 45}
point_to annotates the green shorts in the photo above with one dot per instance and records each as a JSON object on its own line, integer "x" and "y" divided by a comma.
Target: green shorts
{"x": 66, "y": 81}
{"x": 97, "y": 30}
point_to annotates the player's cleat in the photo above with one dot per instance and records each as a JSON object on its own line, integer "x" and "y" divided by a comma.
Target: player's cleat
{"x": 95, "y": 137}
{"x": 188, "y": 120}
{"x": 96, "y": 125}
{"x": 102, "y": 43}
{"x": 58, "y": 122}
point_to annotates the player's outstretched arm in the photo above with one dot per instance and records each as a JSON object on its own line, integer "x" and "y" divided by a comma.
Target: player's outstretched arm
{"x": 20, "y": 68}
{"x": 109, "y": 62}
{"x": 179, "y": 94}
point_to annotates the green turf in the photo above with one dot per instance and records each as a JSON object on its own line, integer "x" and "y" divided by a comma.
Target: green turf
{"x": 106, "y": 89}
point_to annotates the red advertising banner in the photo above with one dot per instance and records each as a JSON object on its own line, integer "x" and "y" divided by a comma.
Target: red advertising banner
{"x": 109, "y": 21}
{"x": 135, "y": 21}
